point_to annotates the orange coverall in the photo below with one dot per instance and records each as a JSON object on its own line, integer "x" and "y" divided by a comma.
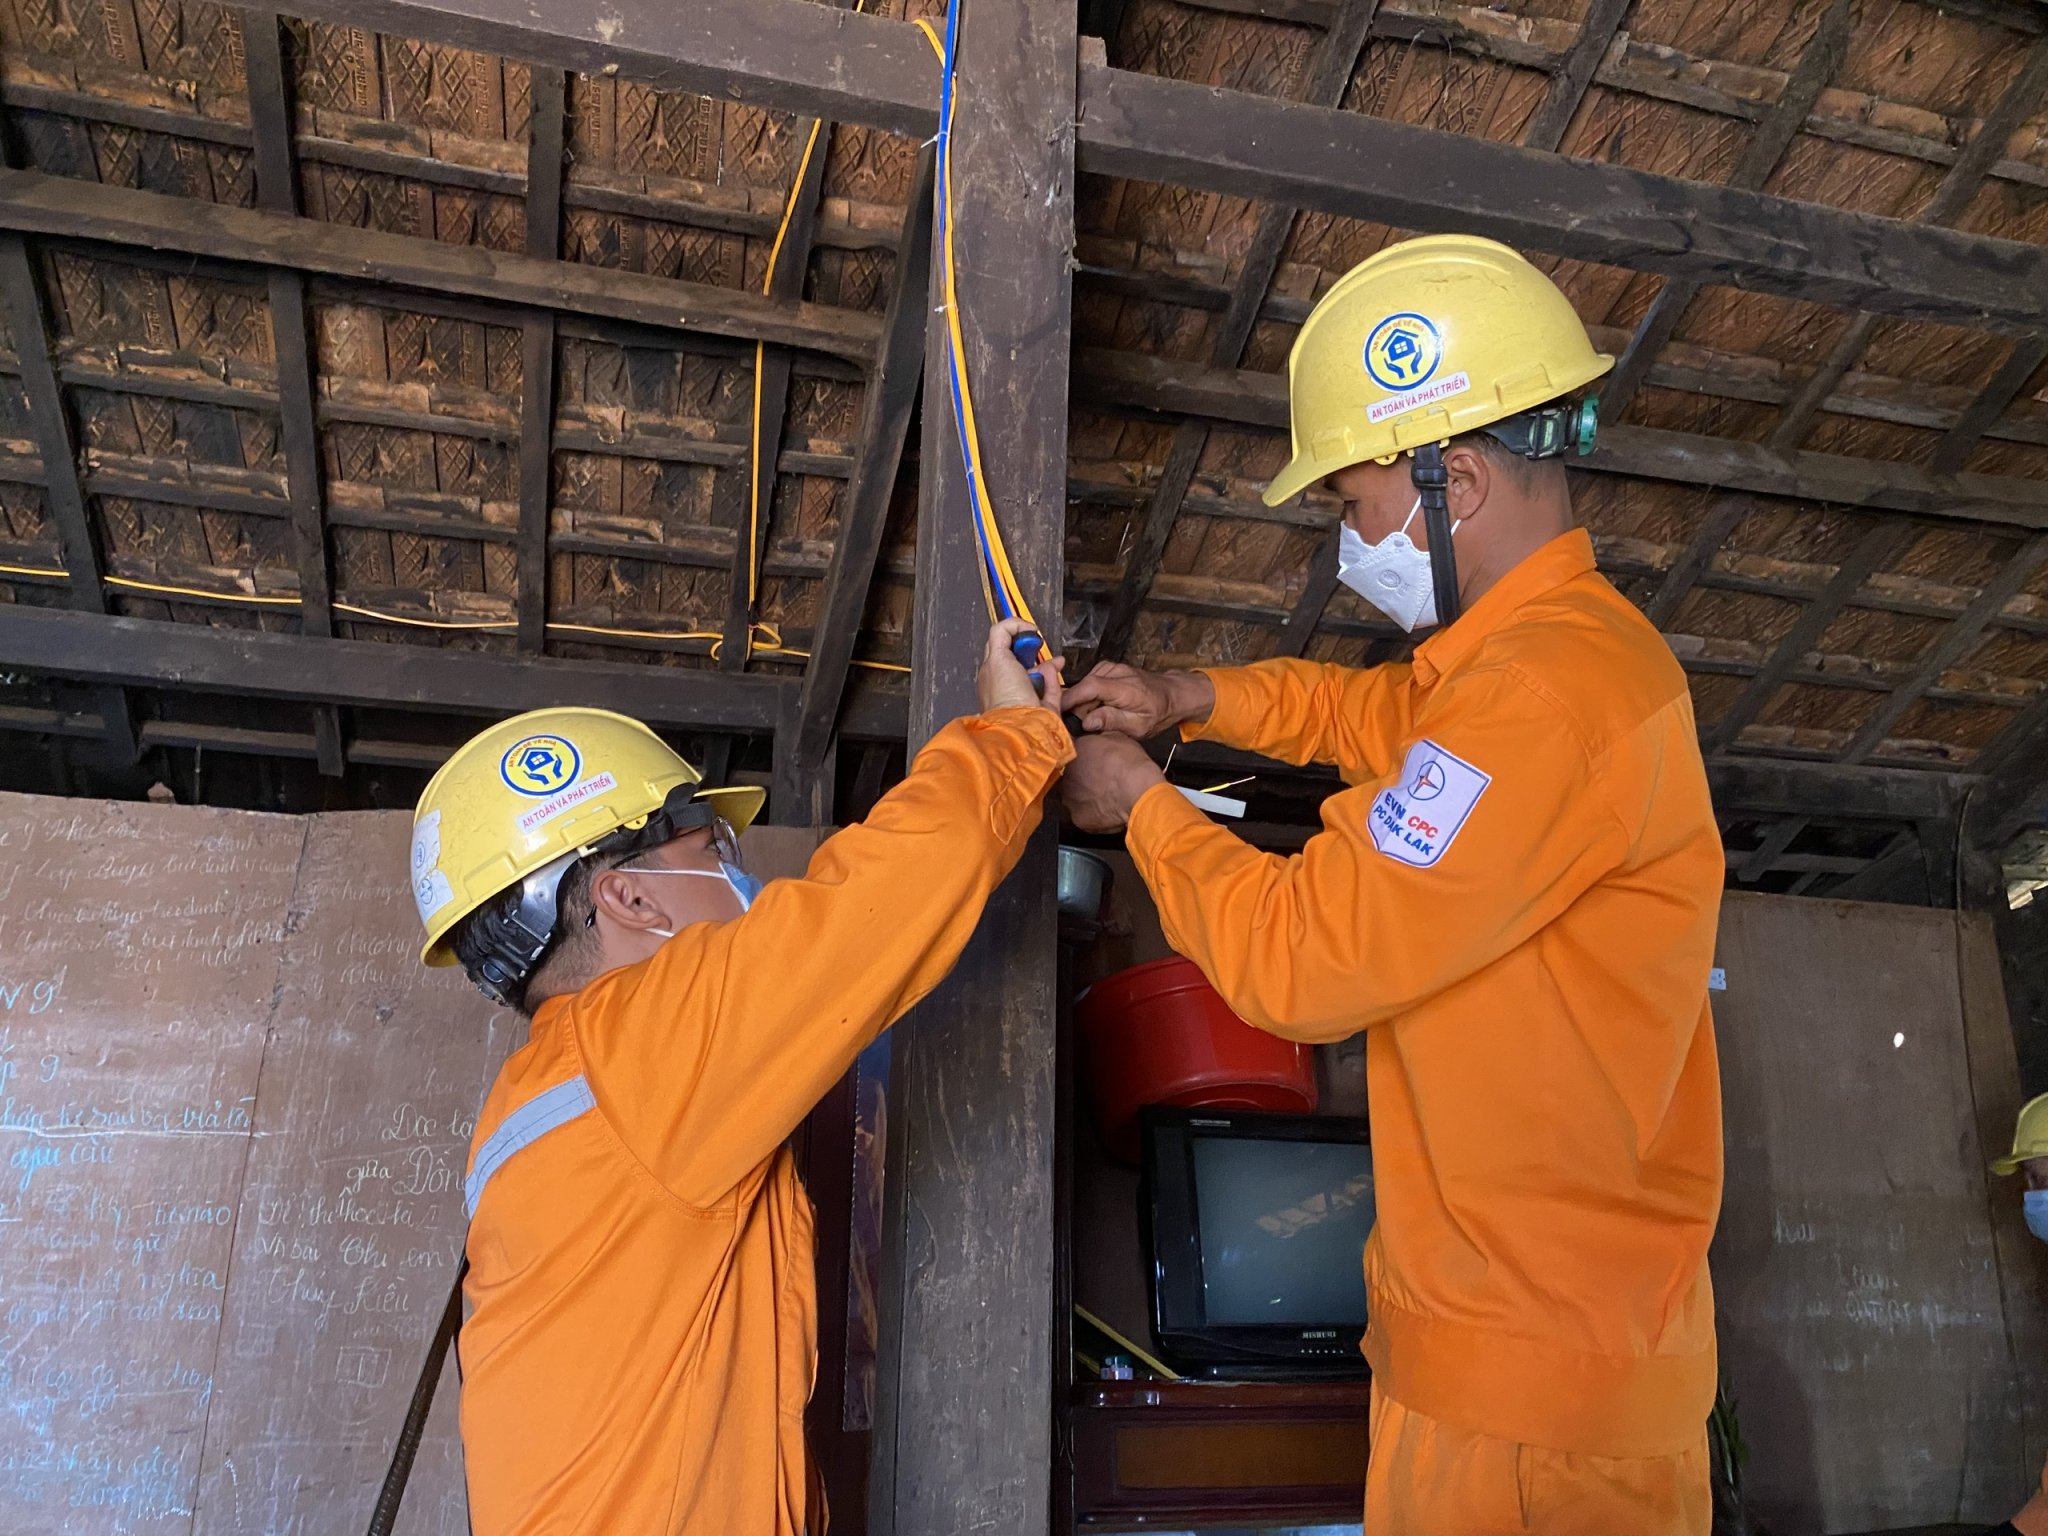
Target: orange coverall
{"x": 2033, "y": 1520}
{"x": 1516, "y": 901}
{"x": 642, "y": 1339}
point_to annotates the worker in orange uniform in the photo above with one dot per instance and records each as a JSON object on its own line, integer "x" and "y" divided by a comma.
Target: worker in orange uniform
{"x": 641, "y": 1337}
{"x": 1515, "y": 900}
{"x": 2029, "y": 1158}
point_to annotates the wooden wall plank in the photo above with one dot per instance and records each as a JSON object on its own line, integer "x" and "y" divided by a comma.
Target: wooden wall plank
{"x": 139, "y": 949}
{"x": 351, "y": 1222}
{"x": 1857, "y": 1278}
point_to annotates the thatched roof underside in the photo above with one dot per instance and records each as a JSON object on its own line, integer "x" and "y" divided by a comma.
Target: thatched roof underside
{"x": 168, "y": 365}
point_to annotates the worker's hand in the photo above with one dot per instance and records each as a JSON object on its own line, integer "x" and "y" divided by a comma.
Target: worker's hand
{"x": 1114, "y": 697}
{"x": 1108, "y": 774}
{"x": 1003, "y": 683}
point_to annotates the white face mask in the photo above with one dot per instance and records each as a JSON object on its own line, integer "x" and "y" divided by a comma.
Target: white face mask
{"x": 1393, "y": 575}
{"x": 2037, "y": 1213}
{"x": 744, "y": 886}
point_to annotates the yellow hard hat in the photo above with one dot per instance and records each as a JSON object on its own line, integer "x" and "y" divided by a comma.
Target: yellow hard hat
{"x": 1431, "y": 337}
{"x": 533, "y": 790}
{"x": 2029, "y": 1137}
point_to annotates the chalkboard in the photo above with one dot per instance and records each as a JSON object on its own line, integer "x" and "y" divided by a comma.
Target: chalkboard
{"x": 1883, "y": 1313}
{"x": 236, "y": 1112}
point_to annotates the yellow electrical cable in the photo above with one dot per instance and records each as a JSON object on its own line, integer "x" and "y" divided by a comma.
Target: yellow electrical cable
{"x": 796, "y": 185}
{"x": 877, "y": 666}
{"x": 236, "y": 597}
{"x": 641, "y": 634}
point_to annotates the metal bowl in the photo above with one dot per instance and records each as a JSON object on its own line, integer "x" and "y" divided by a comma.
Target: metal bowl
{"x": 1083, "y": 890}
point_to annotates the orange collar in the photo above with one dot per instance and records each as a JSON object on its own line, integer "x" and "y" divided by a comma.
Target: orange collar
{"x": 1564, "y": 558}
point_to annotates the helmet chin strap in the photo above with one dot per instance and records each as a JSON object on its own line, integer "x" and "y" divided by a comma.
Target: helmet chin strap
{"x": 1432, "y": 484}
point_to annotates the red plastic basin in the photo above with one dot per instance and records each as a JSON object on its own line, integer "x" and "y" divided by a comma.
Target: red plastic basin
{"x": 1158, "y": 1033}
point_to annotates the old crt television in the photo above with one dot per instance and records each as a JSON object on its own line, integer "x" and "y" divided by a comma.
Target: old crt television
{"x": 1256, "y": 1225}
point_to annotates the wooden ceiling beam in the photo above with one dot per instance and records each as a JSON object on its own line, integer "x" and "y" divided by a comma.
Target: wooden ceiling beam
{"x": 55, "y": 205}
{"x": 1329, "y": 73}
{"x": 1134, "y": 381}
{"x": 2019, "y": 15}
{"x": 2021, "y": 100}
{"x": 843, "y": 64}
{"x": 1425, "y": 179}
{"x": 1767, "y": 146}
{"x": 814, "y": 60}
{"x": 1574, "y": 76}
{"x": 886, "y": 409}
{"x": 209, "y": 659}
{"x": 579, "y": 191}
{"x": 1637, "y": 67}
{"x": 1697, "y": 370}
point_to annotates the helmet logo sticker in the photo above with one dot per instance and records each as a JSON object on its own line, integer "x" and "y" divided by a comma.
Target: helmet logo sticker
{"x": 540, "y": 765}
{"x": 1402, "y": 352}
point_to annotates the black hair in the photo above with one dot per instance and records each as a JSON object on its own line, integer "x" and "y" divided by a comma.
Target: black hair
{"x": 570, "y": 954}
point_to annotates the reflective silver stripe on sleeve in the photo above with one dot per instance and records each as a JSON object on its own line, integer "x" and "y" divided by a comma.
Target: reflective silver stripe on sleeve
{"x": 532, "y": 1120}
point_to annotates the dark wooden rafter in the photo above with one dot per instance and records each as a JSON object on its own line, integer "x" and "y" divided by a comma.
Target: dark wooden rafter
{"x": 878, "y": 456}
{"x": 1952, "y": 648}
{"x": 1766, "y": 147}
{"x": 2019, "y": 15}
{"x": 277, "y": 191}
{"x": 1899, "y": 860}
{"x": 1316, "y": 591}
{"x": 1960, "y": 441}
{"x": 547, "y": 128}
{"x": 1329, "y": 73}
{"x": 1720, "y": 520}
{"x": 205, "y": 658}
{"x": 26, "y": 303}
{"x": 814, "y": 59}
{"x": 1133, "y": 382}
{"x": 785, "y": 282}
{"x": 1574, "y": 77}
{"x": 1346, "y": 163}
{"x": 966, "y": 1371}
{"x": 800, "y": 793}
{"x": 1878, "y": 543}
{"x": 1760, "y": 862}
{"x": 2010, "y": 796}
{"x": 90, "y": 211}
{"x": 2022, "y": 99}
{"x": 1701, "y": 370}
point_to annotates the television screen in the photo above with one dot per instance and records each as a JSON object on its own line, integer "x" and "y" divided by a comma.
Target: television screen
{"x": 1282, "y": 1226}
{"x": 1257, "y": 1227}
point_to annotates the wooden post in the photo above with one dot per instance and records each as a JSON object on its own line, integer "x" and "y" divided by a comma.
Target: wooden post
{"x": 963, "y": 1438}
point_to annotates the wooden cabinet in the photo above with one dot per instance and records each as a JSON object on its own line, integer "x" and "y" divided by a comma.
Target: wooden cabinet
{"x": 1189, "y": 1454}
